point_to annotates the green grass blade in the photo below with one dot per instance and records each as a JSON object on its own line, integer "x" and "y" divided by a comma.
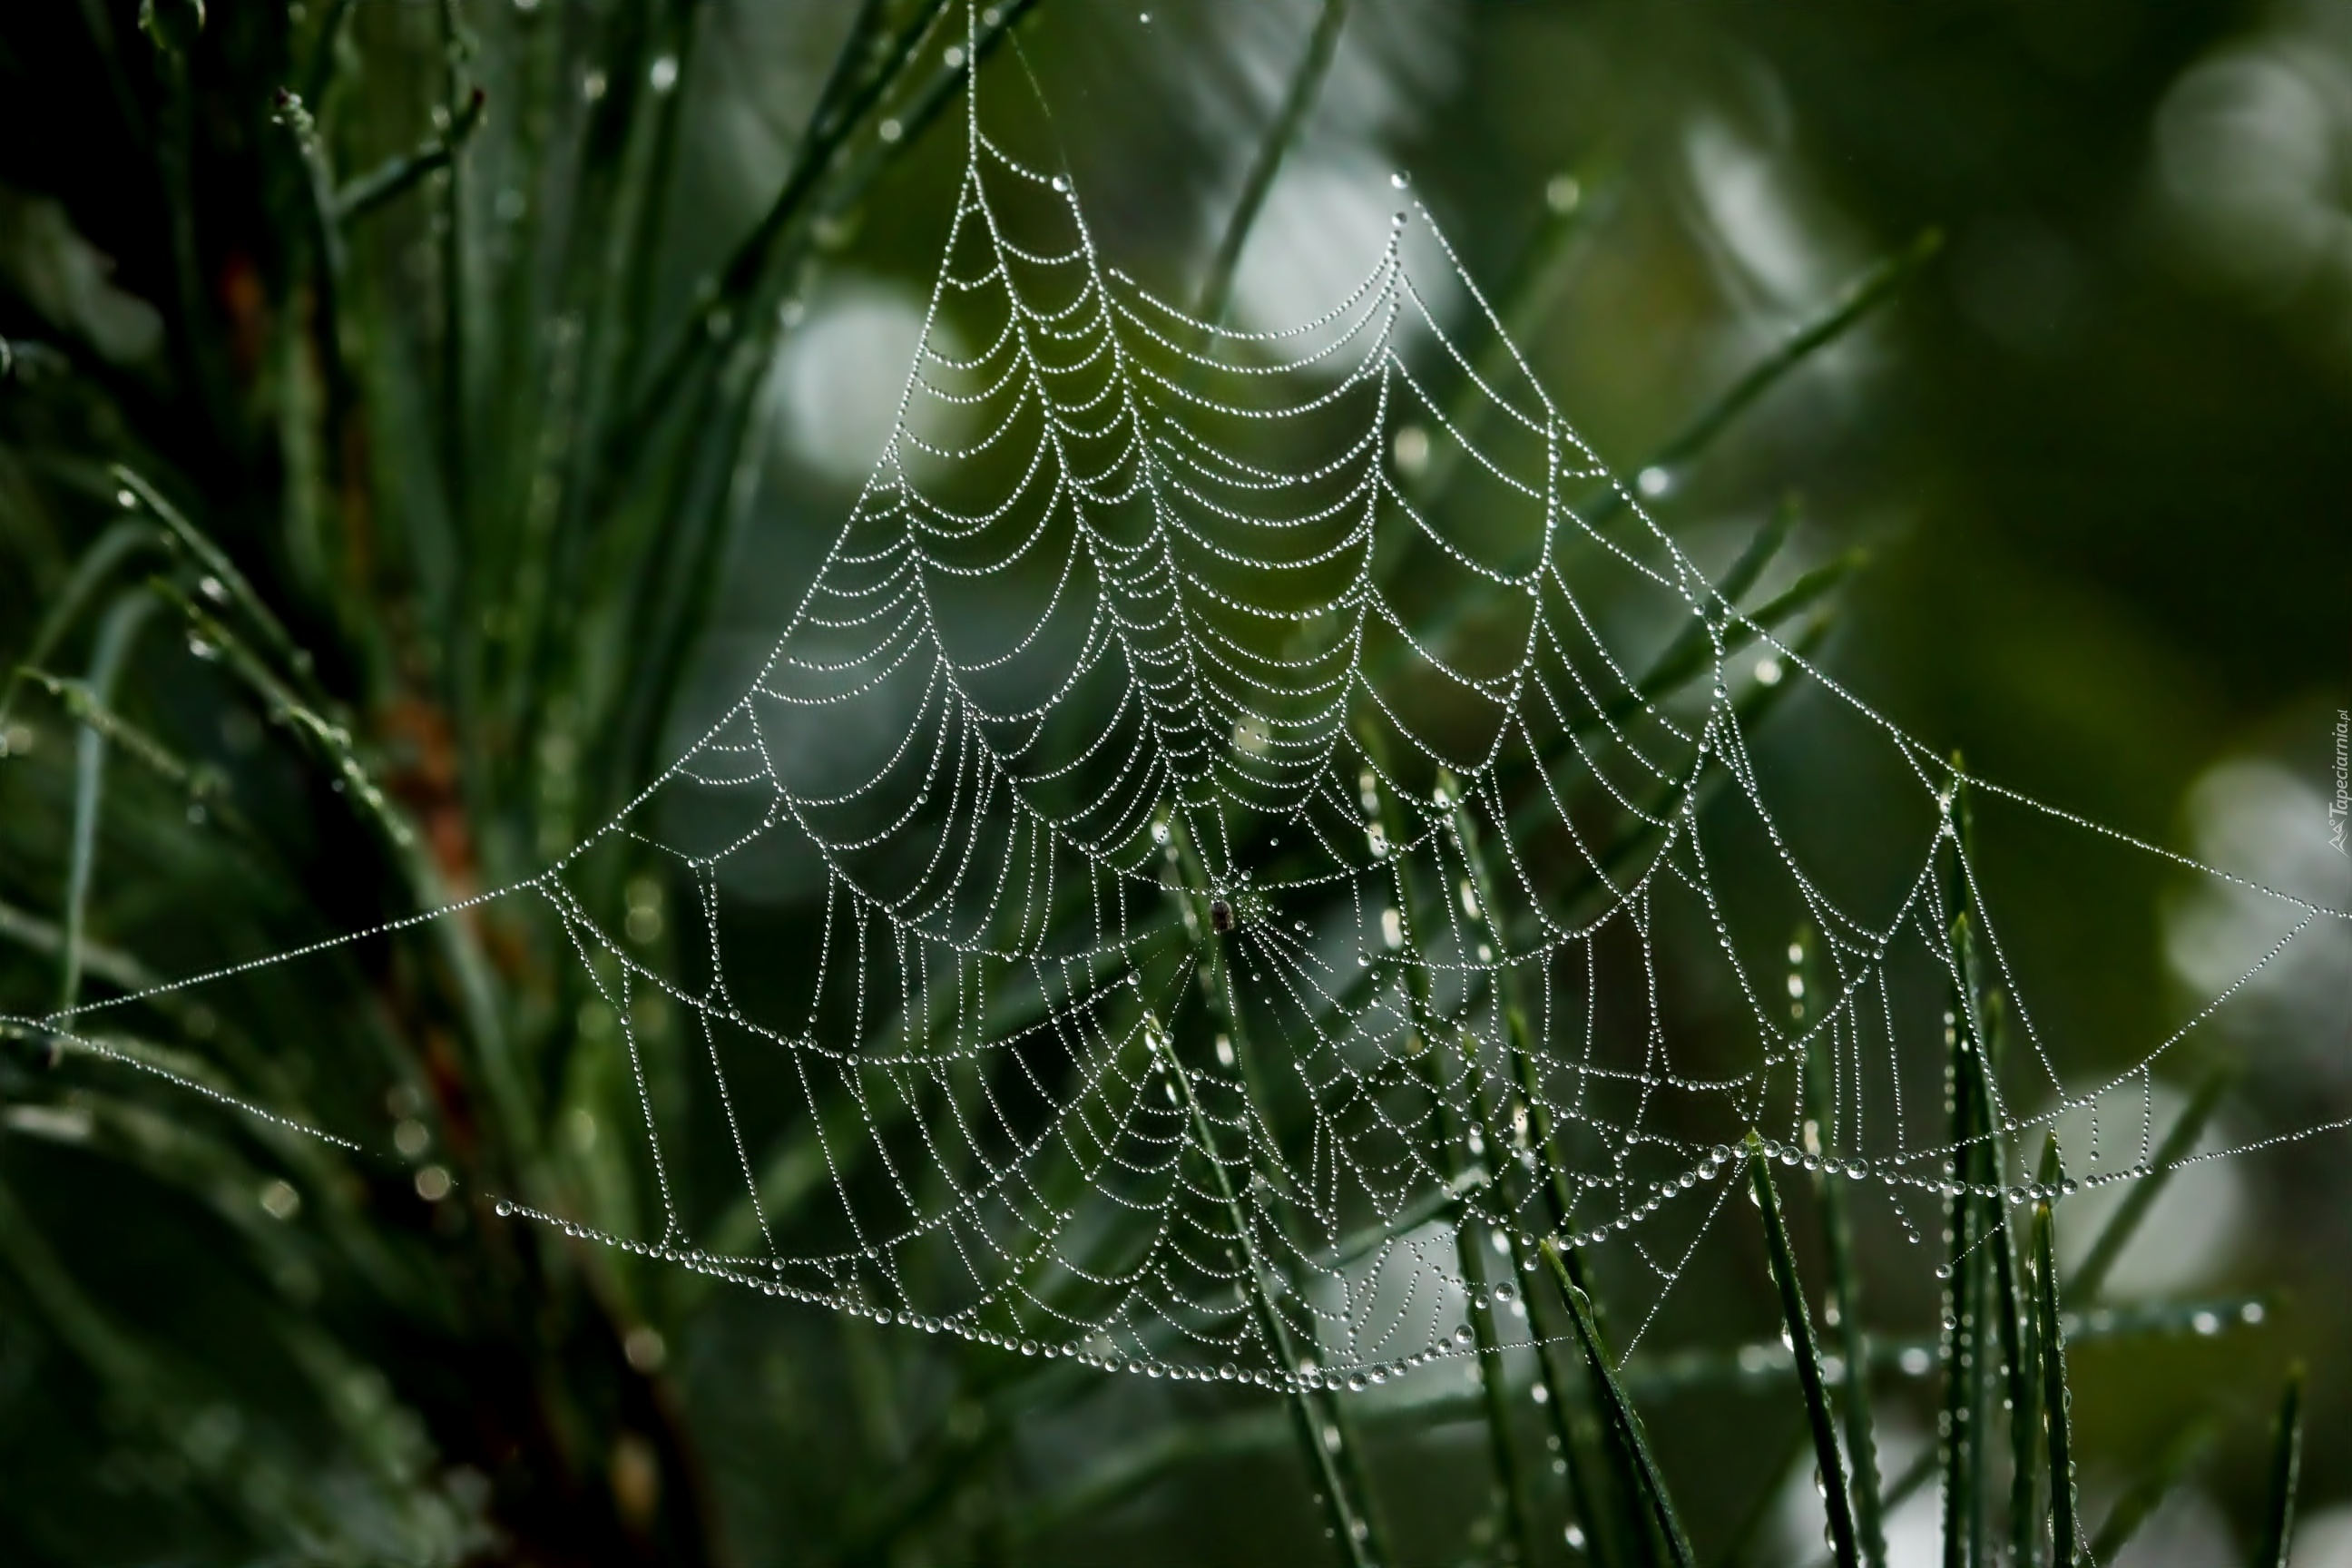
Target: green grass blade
{"x": 1306, "y": 84}
{"x": 292, "y": 657}
{"x": 395, "y": 177}
{"x": 1623, "y": 1423}
{"x": 852, "y": 92}
{"x": 2056, "y": 1412}
{"x": 1837, "y": 1224}
{"x": 115, "y": 545}
{"x": 2271, "y": 1547}
{"x": 2015, "y": 1314}
{"x": 1468, "y": 1246}
{"x": 321, "y": 73}
{"x": 1741, "y": 1543}
{"x": 2146, "y": 1493}
{"x": 1869, "y": 292}
{"x": 1350, "y": 1527}
{"x": 116, "y": 634}
{"x": 1798, "y": 1317}
{"x": 1961, "y": 1299}
{"x": 2140, "y": 1196}
{"x": 1549, "y": 259}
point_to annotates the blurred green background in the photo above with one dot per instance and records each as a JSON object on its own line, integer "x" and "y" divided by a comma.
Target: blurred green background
{"x": 532, "y": 462}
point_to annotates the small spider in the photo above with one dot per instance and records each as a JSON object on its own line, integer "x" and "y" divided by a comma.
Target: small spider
{"x": 1221, "y": 916}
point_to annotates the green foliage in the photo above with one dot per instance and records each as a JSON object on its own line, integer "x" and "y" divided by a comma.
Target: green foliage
{"x": 372, "y": 581}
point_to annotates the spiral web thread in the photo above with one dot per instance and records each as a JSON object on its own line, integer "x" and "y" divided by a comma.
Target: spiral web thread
{"x": 1268, "y": 840}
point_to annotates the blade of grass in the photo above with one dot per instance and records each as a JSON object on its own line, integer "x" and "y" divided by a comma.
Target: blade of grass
{"x": 2140, "y": 1196}
{"x": 291, "y": 656}
{"x": 1837, "y": 1232}
{"x": 457, "y": 284}
{"x": 674, "y": 603}
{"x": 1766, "y": 1503}
{"x": 1468, "y": 1248}
{"x": 1969, "y": 1290}
{"x": 1297, "y": 101}
{"x": 117, "y": 544}
{"x": 322, "y": 74}
{"x": 1624, "y": 1423}
{"x": 1867, "y": 293}
{"x": 2277, "y": 1537}
{"x": 1353, "y": 1530}
{"x": 2056, "y": 1408}
{"x": 1326, "y": 1429}
{"x": 395, "y": 177}
{"x": 1548, "y": 1177}
{"x": 2017, "y": 1346}
{"x": 1523, "y": 303}
{"x": 1797, "y": 1317}
{"x": 116, "y": 634}
{"x": 202, "y": 784}
{"x": 847, "y": 98}
{"x": 2146, "y": 1493}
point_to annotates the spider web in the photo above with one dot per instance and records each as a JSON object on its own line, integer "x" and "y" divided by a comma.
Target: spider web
{"x": 1291, "y": 832}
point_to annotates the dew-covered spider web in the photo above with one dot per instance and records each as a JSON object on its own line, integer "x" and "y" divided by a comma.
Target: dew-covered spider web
{"x": 1293, "y": 831}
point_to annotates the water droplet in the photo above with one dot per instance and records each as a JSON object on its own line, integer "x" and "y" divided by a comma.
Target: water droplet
{"x": 662, "y": 75}
{"x": 1654, "y": 483}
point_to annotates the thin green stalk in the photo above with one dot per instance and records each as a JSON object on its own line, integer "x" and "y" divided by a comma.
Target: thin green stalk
{"x": 2017, "y": 1354}
{"x": 195, "y": 335}
{"x": 1962, "y": 1296}
{"x": 2146, "y": 1493}
{"x": 1305, "y": 83}
{"x": 1535, "y": 811}
{"x": 1468, "y": 1249}
{"x": 674, "y": 600}
{"x": 2140, "y": 1196}
{"x": 457, "y": 379}
{"x": 292, "y": 657}
{"x": 116, "y": 634}
{"x": 322, "y": 74}
{"x": 200, "y": 783}
{"x": 1348, "y": 1494}
{"x": 1845, "y": 1311}
{"x": 1796, "y": 1316}
{"x": 113, "y": 547}
{"x": 1353, "y": 1531}
{"x": 2277, "y": 1537}
{"x": 1550, "y": 1179}
{"x": 640, "y": 264}
{"x": 1970, "y": 1288}
{"x": 1522, "y": 304}
{"x": 395, "y": 177}
{"x": 1766, "y": 1504}
{"x": 841, "y": 108}
{"x": 1868, "y": 292}
{"x": 1624, "y": 1423}
{"x": 2056, "y": 1402}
